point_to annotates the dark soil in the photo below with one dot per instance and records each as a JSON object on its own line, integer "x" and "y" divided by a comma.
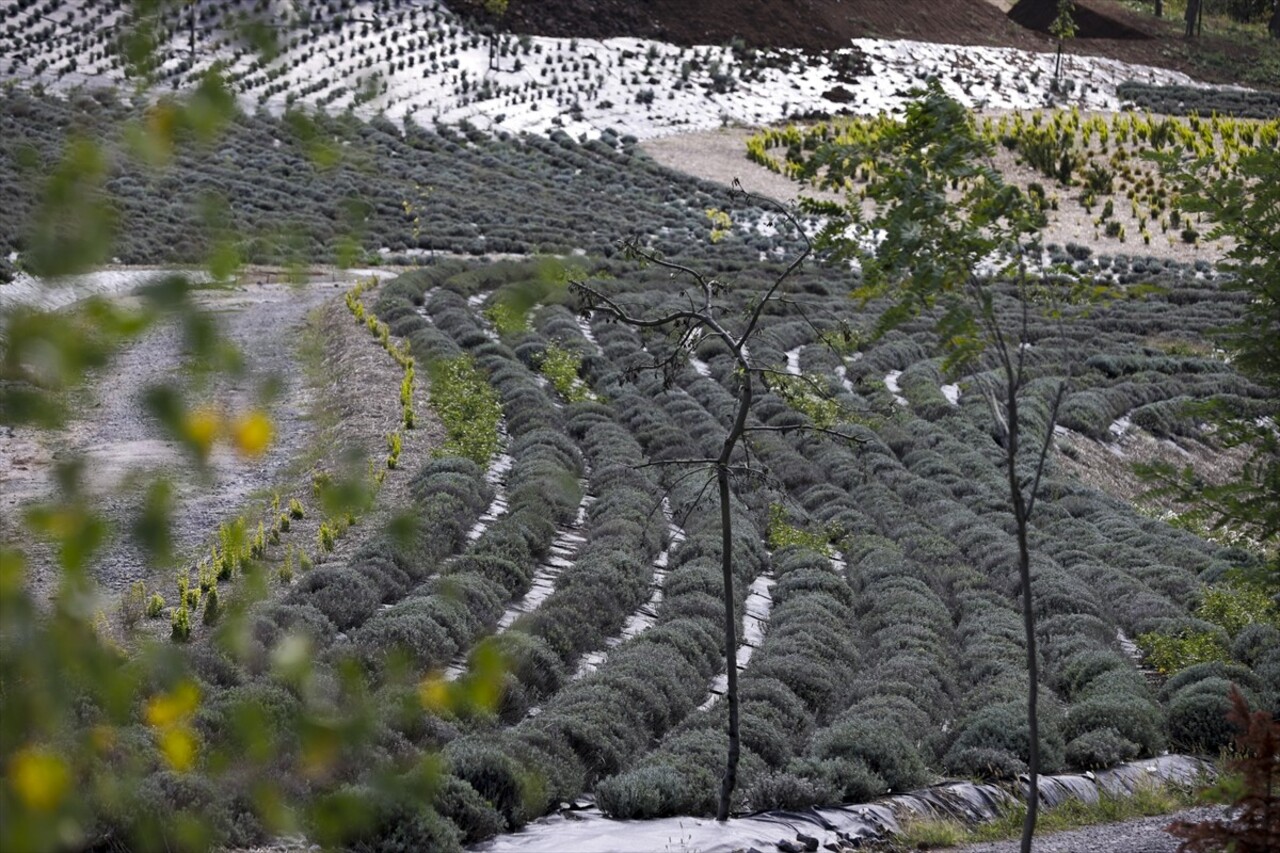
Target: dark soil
{"x": 1091, "y": 23}
{"x": 1106, "y": 28}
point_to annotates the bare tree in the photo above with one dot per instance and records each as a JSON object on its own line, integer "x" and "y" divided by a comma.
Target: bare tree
{"x": 707, "y": 315}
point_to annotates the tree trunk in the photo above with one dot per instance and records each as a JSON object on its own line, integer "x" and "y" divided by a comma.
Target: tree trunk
{"x": 1028, "y": 620}
{"x": 736, "y": 431}
{"x": 1274, "y": 25}
{"x": 1159, "y": 8}
{"x": 730, "y": 780}
{"x": 1193, "y": 10}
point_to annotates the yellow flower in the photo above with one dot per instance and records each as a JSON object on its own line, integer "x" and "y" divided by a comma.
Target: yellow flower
{"x": 169, "y": 709}
{"x": 39, "y": 778}
{"x": 178, "y": 746}
{"x": 253, "y": 432}
{"x": 433, "y": 692}
{"x": 201, "y": 427}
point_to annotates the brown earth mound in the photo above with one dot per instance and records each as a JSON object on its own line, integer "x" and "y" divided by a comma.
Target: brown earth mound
{"x": 807, "y": 24}
{"x": 1039, "y": 15}
{"x": 1107, "y": 28}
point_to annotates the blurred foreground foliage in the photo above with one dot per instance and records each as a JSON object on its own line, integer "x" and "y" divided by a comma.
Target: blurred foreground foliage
{"x": 111, "y": 741}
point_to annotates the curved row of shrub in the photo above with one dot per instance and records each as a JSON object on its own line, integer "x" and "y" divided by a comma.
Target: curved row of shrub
{"x": 794, "y": 682}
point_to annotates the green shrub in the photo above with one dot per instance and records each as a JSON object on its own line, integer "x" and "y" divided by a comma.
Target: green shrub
{"x": 155, "y": 606}
{"x": 180, "y": 624}
{"x": 1099, "y": 749}
{"x": 133, "y": 604}
{"x": 850, "y": 779}
{"x": 983, "y": 762}
{"x": 212, "y": 610}
{"x": 1198, "y": 721}
{"x": 469, "y": 408}
{"x": 1136, "y": 719}
{"x": 461, "y": 804}
{"x": 646, "y": 792}
{"x": 1168, "y": 653}
{"x": 362, "y": 820}
{"x": 494, "y": 774}
{"x": 1236, "y": 606}
{"x": 785, "y": 790}
{"x": 885, "y": 751}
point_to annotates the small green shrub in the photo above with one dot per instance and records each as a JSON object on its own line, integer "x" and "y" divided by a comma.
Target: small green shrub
{"x": 1236, "y": 606}
{"x": 1198, "y": 721}
{"x": 212, "y": 609}
{"x": 850, "y": 778}
{"x": 561, "y": 367}
{"x": 789, "y": 791}
{"x": 180, "y": 624}
{"x": 459, "y": 802}
{"x": 641, "y": 793}
{"x": 469, "y": 408}
{"x": 1170, "y": 653}
{"x": 326, "y": 536}
{"x": 1099, "y": 749}
{"x": 295, "y": 509}
{"x": 982, "y": 762}
{"x": 155, "y": 606}
{"x": 133, "y": 604}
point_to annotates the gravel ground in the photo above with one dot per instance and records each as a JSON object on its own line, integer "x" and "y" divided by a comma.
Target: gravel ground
{"x": 1144, "y": 835}
{"x": 118, "y": 442}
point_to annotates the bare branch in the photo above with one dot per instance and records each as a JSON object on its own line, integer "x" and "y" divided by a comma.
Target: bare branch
{"x": 807, "y": 428}
{"x": 1046, "y": 444}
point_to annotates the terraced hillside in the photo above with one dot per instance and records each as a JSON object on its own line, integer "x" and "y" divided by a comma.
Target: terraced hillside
{"x": 442, "y": 557}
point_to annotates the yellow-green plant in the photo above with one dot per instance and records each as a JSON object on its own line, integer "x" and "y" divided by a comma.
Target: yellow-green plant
{"x": 561, "y": 367}
{"x": 469, "y": 408}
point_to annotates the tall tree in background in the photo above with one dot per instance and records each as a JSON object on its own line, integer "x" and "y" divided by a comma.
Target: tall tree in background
{"x": 1193, "y": 17}
{"x": 1062, "y": 28}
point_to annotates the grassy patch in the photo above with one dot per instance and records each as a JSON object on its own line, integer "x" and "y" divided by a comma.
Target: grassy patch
{"x": 923, "y": 833}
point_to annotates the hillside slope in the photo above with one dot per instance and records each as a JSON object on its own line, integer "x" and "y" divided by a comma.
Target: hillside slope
{"x": 1107, "y": 28}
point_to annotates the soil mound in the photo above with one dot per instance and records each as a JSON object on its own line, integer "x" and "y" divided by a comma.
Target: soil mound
{"x": 1091, "y": 23}
{"x": 806, "y": 24}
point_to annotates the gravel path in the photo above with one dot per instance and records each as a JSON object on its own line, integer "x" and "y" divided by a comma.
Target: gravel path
{"x": 1144, "y": 835}
{"x": 118, "y": 441}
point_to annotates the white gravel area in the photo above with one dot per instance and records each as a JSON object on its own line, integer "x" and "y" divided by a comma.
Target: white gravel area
{"x": 1144, "y": 835}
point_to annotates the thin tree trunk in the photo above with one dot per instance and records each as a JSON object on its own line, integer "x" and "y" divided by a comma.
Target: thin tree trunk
{"x": 730, "y": 780}
{"x": 736, "y": 430}
{"x": 1274, "y": 25}
{"x": 1159, "y": 8}
{"x": 1028, "y": 619}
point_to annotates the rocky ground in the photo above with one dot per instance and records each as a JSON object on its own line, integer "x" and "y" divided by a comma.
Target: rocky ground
{"x": 1144, "y": 835}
